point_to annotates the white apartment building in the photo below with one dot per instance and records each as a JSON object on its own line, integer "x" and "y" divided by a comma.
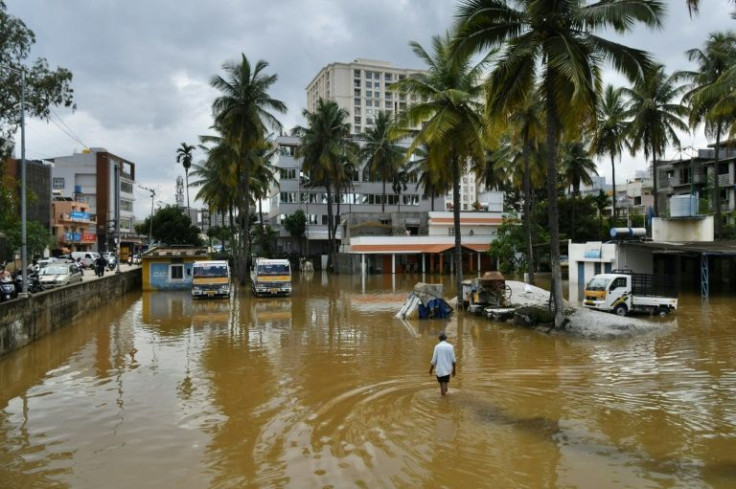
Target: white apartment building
{"x": 362, "y": 89}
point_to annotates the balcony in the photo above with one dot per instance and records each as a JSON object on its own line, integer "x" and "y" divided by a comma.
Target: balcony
{"x": 699, "y": 179}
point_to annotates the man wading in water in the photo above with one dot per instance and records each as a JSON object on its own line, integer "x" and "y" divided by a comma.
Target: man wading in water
{"x": 444, "y": 360}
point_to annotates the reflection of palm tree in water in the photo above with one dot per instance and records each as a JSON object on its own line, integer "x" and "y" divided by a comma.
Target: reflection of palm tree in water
{"x": 185, "y": 388}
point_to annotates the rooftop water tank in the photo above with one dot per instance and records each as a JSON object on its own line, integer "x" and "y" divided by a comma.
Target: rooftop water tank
{"x": 683, "y": 205}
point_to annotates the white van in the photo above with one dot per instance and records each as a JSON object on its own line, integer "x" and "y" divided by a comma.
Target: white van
{"x": 86, "y": 258}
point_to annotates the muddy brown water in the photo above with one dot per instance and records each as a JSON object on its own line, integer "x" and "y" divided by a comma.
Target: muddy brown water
{"x": 327, "y": 389}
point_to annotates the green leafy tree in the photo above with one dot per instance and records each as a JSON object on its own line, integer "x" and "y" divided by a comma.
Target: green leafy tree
{"x": 559, "y": 45}
{"x": 173, "y": 227}
{"x": 184, "y": 156}
{"x": 44, "y": 88}
{"x": 450, "y": 113}
{"x": 508, "y": 246}
{"x": 244, "y": 112}
{"x": 577, "y": 168}
{"x": 296, "y": 225}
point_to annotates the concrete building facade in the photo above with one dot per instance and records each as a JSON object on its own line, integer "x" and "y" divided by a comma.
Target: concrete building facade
{"x": 362, "y": 89}
{"x": 89, "y": 177}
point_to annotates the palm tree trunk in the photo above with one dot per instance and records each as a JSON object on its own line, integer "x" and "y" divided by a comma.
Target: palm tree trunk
{"x": 245, "y": 228}
{"x": 383, "y": 201}
{"x": 613, "y": 183}
{"x": 717, "y": 185}
{"x": 554, "y": 223}
{"x": 456, "y": 224}
{"x": 330, "y": 229}
{"x": 528, "y": 217}
{"x": 186, "y": 177}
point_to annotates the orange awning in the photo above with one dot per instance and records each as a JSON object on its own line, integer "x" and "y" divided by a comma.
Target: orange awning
{"x": 400, "y": 248}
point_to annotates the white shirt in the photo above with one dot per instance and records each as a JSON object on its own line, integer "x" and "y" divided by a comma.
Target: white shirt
{"x": 443, "y": 358}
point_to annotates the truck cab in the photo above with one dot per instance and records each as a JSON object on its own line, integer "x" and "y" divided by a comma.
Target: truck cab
{"x": 271, "y": 277}
{"x": 622, "y": 292}
{"x": 210, "y": 279}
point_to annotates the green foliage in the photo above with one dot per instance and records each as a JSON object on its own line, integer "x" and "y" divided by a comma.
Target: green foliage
{"x": 44, "y": 88}
{"x": 264, "y": 240}
{"x": 508, "y": 247}
{"x": 296, "y": 225}
{"x": 171, "y": 226}
{"x": 37, "y": 237}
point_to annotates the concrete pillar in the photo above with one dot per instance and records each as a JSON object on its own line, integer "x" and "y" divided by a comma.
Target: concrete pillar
{"x": 393, "y": 263}
{"x": 362, "y": 263}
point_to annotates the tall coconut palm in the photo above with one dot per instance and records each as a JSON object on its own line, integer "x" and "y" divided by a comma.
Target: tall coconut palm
{"x": 609, "y": 135}
{"x": 323, "y": 146}
{"x": 450, "y": 113}
{"x": 526, "y": 127}
{"x": 184, "y": 156}
{"x": 577, "y": 168}
{"x": 244, "y": 113}
{"x": 655, "y": 114}
{"x": 714, "y": 60}
{"x": 217, "y": 176}
{"x": 432, "y": 176}
{"x": 383, "y": 156}
{"x": 693, "y": 6}
{"x": 558, "y": 42}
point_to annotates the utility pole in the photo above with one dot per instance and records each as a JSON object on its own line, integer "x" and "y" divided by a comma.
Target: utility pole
{"x": 150, "y": 220}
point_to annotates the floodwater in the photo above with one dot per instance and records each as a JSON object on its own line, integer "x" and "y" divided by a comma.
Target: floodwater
{"x": 327, "y": 389}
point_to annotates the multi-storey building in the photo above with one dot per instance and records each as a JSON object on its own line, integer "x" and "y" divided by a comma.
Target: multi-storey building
{"x": 73, "y": 228}
{"x": 362, "y": 89}
{"x": 697, "y": 176}
{"x": 105, "y": 182}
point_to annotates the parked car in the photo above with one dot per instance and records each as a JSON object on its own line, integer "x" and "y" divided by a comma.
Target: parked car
{"x": 44, "y": 262}
{"x": 58, "y": 274}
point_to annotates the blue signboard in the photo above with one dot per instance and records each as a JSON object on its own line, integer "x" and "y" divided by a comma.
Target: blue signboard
{"x": 70, "y": 237}
{"x": 79, "y": 215}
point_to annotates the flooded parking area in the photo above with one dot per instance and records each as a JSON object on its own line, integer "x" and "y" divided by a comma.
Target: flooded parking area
{"x": 327, "y": 389}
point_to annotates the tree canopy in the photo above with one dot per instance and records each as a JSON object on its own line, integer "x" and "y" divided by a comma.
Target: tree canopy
{"x": 44, "y": 88}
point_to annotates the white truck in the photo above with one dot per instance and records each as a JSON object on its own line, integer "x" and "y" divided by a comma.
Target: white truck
{"x": 271, "y": 277}
{"x": 623, "y": 292}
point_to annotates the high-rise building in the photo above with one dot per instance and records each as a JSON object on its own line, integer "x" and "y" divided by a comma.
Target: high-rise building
{"x": 362, "y": 89}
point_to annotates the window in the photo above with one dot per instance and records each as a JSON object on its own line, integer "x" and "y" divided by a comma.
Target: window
{"x": 389, "y": 104}
{"x": 126, "y": 206}
{"x": 357, "y": 111}
{"x": 356, "y": 73}
{"x": 176, "y": 272}
{"x": 357, "y": 120}
{"x": 387, "y": 77}
{"x": 368, "y": 94}
{"x": 368, "y": 75}
{"x": 356, "y": 92}
{"x": 369, "y": 103}
{"x": 356, "y": 101}
{"x": 58, "y": 183}
{"x": 378, "y": 94}
{"x": 356, "y": 83}
{"x": 389, "y": 95}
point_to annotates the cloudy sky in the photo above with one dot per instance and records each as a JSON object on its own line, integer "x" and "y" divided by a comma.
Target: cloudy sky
{"x": 142, "y": 67}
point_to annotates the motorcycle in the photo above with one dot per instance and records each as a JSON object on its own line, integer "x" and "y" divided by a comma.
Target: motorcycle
{"x": 7, "y": 290}
{"x": 34, "y": 284}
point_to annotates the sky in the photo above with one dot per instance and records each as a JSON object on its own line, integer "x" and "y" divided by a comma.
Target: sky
{"x": 142, "y": 68}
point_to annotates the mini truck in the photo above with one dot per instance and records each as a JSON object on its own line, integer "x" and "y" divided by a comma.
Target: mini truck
{"x": 623, "y": 292}
{"x": 271, "y": 277}
{"x": 210, "y": 279}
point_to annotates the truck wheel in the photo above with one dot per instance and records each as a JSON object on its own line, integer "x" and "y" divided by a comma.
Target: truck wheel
{"x": 662, "y": 312}
{"x": 620, "y": 310}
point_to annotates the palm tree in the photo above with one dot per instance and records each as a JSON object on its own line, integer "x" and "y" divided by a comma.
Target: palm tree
{"x": 433, "y": 179}
{"x": 717, "y": 57}
{"x": 560, "y": 37}
{"x": 609, "y": 134}
{"x": 323, "y": 146}
{"x": 382, "y": 155}
{"x": 184, "y": 156}
{"x": 577, "y": 168}
{"x": 526, "y": 127}
{"x": 693, "y": 6}
{"x": 243, "y": 113}
{"x": 216, "y": 176}
{"x": 654, "y": 116}
{"x": 450, "y": 113}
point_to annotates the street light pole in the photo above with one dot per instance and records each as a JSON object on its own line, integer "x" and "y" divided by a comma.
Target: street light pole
{"x": 117, "y": 214}
{"x": 23, "y": 215}
{"x": 150, "y": 220}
